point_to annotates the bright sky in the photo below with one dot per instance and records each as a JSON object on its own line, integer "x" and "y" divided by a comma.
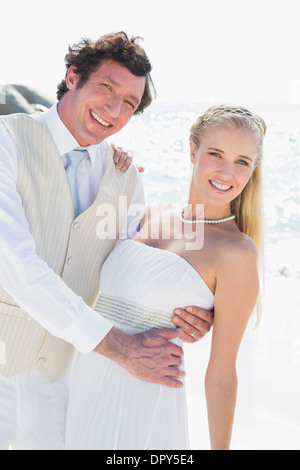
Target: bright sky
{"x": 202, "y": 50}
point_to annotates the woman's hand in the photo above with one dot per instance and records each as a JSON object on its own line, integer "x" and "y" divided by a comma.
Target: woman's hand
{"x": 124, "y": 158}
{"x": 194, "y": 323}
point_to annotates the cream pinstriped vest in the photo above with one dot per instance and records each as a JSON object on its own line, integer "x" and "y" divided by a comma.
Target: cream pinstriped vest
{"x": 71, "y": 248}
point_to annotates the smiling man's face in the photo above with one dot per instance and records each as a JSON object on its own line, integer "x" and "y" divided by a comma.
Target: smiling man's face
{"x": 103, "y": 105}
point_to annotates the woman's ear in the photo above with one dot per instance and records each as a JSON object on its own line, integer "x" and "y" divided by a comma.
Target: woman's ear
{"x": 71, "y": 78}
{"x": 193, "y": 151}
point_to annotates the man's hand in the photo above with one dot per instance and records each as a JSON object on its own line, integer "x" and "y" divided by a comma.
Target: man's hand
{"x": 194, "y": 323}
{"x": 149, "y": 356}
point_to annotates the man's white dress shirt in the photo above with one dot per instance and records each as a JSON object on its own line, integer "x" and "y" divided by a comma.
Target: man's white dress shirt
{"x": 56, "y": 307}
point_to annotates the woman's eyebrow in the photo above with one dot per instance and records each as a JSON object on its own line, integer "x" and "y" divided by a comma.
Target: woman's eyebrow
{"x": 221, "y": 151}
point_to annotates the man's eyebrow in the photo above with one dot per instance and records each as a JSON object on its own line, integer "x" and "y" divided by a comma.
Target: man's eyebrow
{"x": 113, "y": 82}
{"x": 222, "y": 151}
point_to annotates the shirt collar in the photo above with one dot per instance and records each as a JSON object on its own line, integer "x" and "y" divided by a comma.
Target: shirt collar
{"x": 64, "y": 140}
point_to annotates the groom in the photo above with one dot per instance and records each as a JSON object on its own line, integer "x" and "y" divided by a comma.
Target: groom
{"x": 50, "y": 254}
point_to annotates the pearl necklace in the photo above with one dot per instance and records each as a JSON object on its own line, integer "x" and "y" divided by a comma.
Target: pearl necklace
{"x": 204, "y": 221}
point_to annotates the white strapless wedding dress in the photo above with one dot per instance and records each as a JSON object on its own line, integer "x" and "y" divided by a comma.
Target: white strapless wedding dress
{"x": 109, "y": 408}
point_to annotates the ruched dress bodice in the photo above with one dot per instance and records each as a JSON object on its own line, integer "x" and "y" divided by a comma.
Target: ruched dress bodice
{"x": 150, "y": 279}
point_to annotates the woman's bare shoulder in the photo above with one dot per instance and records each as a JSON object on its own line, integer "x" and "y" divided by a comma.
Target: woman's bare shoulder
{"x": 154, "y": 215}
{"x": 239, "y": 251}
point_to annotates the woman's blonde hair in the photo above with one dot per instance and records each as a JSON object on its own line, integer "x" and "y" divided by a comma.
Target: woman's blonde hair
{"x": 247, "y": 207}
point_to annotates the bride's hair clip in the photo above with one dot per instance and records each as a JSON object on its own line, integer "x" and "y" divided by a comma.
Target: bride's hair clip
{"x": 216, "y": 111}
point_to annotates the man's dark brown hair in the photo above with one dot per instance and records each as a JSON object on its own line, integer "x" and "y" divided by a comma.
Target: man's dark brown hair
{"x": 88, "y": 55}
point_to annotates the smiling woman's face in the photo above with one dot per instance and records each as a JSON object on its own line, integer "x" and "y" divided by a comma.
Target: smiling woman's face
{"x": 103, "y": 105}
{"x": 223, "y": 164}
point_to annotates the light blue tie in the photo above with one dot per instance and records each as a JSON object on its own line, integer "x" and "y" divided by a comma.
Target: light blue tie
{"x": 75, "y": 158}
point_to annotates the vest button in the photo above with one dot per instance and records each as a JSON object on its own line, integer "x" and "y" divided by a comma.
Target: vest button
{"x": 76, "y": 225}
{"x": 70, "y": 260}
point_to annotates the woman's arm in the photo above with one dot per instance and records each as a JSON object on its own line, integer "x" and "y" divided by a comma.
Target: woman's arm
{"x": 235, "y": 298}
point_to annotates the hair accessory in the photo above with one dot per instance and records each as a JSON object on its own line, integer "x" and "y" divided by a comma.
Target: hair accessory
{"x": 238, "y": 111}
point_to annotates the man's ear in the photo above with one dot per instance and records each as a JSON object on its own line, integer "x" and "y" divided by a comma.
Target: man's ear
{"x": 72, "y": 78}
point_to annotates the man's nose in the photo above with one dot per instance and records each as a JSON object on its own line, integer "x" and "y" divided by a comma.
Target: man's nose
{"x": 113, "y": 106}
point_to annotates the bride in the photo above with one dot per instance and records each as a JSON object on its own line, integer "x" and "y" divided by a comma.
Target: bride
{"x": 183, "y": 259}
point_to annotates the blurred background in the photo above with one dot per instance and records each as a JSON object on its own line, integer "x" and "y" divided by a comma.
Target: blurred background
{"x": 203, "y": 53}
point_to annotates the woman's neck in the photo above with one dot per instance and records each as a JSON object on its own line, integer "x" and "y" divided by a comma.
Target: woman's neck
{"x": 197, "y": 209}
